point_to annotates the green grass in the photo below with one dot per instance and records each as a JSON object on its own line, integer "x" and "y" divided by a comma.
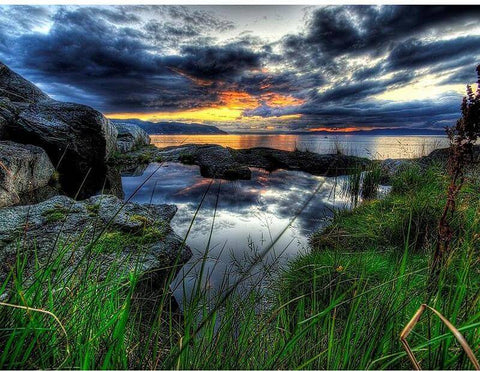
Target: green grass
{"x": 409, "y": 212}
{"x": 342, "y": 305}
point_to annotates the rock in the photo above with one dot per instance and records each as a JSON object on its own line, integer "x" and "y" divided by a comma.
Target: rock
{"x": 218, "y": 162}
{"x": 226, "y": 163}
{"x": 23, "y": 168}
{"x": 440, "y": 156}
{"x": 310, "y": 162}
{"x": 8, "y": 113}
{"x": 81, "y": 137}
{"x": 17, "y": 89}
{"x": 392, "y": 167}
{"x": 132, "y": 236}
{"x": 130, "y": 137}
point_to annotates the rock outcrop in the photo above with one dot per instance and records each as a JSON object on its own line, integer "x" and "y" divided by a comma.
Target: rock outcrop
{"x": 129, "y": 236}
{"x": 17, "y": 89}
{"x": 310, "y": 162}
{"x": 130, "y": 137}
{"x": 76, "y": 137}
{"x": 233, "y": 164}
{"x": 23, "y": 169}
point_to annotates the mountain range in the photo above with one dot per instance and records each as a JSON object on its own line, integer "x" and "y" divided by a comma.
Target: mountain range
{"x": 172, "y": 127}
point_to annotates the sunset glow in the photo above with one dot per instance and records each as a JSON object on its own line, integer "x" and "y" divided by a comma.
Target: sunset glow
{"x": 231, "y": 106}
{"x": 252, "y": 68}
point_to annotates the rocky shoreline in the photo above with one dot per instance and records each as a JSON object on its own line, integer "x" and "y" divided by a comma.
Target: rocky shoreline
{"x": 53, "y": 154}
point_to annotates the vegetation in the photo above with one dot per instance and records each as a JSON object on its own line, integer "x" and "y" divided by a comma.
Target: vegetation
{"x": 341, "y": 306}
{"x": 113, "y": 241}
{"x": 56, "y": 214}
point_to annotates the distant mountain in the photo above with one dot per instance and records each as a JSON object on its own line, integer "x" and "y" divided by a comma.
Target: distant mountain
{"x": 172, "y": 127}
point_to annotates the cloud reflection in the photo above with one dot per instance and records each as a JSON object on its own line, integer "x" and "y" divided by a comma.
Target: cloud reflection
{"x": 249, "y": 213}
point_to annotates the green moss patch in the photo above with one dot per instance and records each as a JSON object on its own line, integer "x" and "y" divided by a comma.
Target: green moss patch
{"x": 56, "y": 214}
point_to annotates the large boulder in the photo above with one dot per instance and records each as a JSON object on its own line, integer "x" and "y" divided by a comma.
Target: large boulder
{"x": 17, "y": 89}
{"x": 130, "y": 137}
{"x": 23, "y": 169}
{"x": 78, "y": 139}
{"x": 128, "y": 236}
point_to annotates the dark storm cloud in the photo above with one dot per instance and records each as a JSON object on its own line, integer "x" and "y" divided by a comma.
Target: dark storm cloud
{"x": 167, "y": 58}
{"x": 417, "y": 54}
{"x": 117, "y": 68}
{"x": 338, "y": 30}
{"x": 217, "y": 62}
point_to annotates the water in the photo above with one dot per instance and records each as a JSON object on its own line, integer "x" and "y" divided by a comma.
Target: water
{"x": 371, "y": 146}
{"x": 241, "y": 218}
{"x": 249, "y": 215}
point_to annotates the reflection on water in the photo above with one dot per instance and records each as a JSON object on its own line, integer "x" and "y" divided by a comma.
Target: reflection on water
{"x": 372, "y": 146}
{"x": 249, "y": 214}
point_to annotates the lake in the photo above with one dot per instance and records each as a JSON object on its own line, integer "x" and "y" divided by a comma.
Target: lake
{"x": 371, "y": 146}
{"x": 236, "y": 220}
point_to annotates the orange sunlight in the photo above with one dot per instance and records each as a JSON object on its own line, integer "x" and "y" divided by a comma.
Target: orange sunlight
{"x": 230, "y": 106}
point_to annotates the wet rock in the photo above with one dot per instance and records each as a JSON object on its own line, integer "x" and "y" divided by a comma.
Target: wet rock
{"x": 23, "y": 169}
{"x": 130, "y": 137}
{"x": 132, "y": 236}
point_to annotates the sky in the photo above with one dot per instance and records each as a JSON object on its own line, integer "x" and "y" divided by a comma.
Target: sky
{"x": 252, "y": 68}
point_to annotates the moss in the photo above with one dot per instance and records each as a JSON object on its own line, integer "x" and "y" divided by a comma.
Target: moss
{"x": 56, "y": 214}
{"x": 115, "y": 241}
{"x": 93, "y": 209}
{"x": 55, "y": 179}
{"x": 143, "y": 220}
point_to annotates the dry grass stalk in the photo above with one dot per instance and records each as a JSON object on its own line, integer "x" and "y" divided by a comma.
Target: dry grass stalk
{"x": 414, "y": 320}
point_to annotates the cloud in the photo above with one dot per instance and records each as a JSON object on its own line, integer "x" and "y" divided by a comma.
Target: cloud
{"x": 172, "y": 58}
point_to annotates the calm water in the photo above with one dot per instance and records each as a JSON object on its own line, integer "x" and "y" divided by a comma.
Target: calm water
{"x": 372, "y": 146}
{"x": 241, "y": 218}
{"x": 249, "y": 215}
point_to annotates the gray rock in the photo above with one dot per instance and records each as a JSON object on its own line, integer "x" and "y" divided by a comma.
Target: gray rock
{"x": 61, "y": 223}
{"x": 8, "y": 113}
{"x": 130, "y": 137}
{"x": 23, "y": 168}
{"x": 81, "y": 137}
{"x": 17, "y": 89}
